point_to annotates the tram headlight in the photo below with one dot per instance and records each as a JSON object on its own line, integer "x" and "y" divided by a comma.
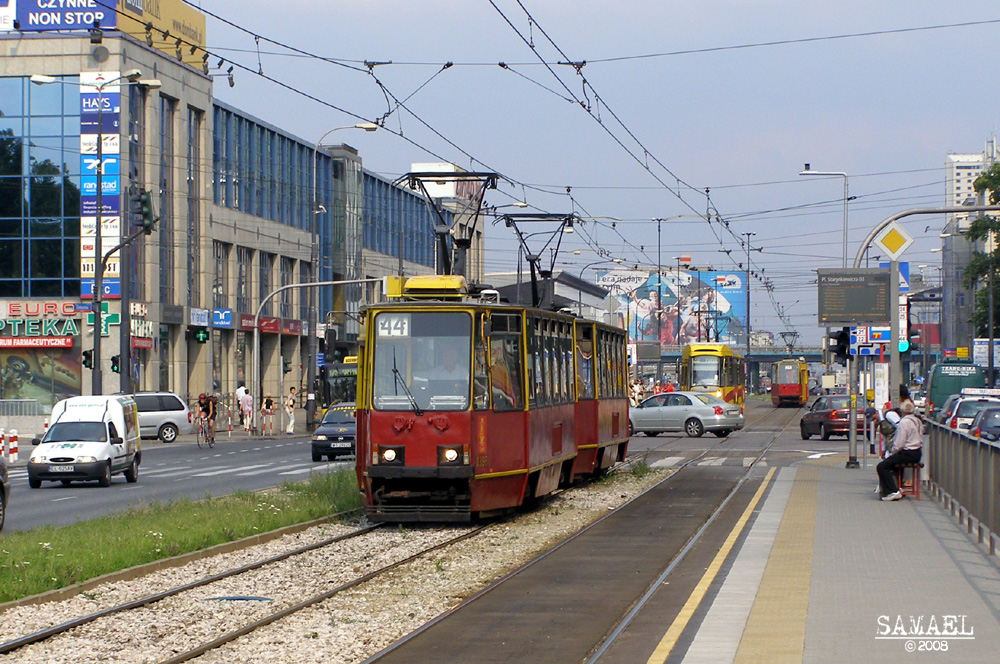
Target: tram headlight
{"x": 449, "y": 455}
{"x": 394, "y": 454}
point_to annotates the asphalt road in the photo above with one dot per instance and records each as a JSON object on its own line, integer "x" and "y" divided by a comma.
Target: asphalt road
{"x": 167, "y": 472}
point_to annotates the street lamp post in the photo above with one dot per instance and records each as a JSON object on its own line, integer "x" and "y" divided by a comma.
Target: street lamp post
{"x": 747, "y": 284}
{"x": 583, "y": 271}
{"x": 317, "y": 209}
{"x": 677, "y": 332}
{"x": 131, "y": 76}
{"x": 807, "y": 171}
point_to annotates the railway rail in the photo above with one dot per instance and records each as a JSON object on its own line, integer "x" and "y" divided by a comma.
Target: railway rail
{"x": 205, "y": 629}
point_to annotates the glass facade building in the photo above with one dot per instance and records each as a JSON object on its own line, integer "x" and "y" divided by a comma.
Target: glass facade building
{"x": 39, "y": 188}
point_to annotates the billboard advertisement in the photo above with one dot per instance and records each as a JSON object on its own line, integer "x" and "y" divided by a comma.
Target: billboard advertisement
{"x": 167, "y": 21}
{"x": 100, "y": 120}
{"x": 679, "y": 306}
{"x": 48, "y": 15}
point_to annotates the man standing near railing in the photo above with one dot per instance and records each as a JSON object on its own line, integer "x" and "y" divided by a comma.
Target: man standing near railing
{"x": 907, "y": 447}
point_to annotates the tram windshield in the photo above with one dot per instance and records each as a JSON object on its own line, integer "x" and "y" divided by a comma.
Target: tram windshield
{"x": 421, "y": 361}
{"x": 788, "y": 374}
{"x": 705, "y": 371}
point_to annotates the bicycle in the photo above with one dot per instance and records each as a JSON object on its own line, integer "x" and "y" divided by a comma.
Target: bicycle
{"x": 201, "y": 434}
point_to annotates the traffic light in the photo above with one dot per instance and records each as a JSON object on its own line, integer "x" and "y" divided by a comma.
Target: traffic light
{"x": 287, "y": 366}
{"x": 840, "y": 344}
{"x": 146, "y": 211}
{"x": 115, "y": 363}
{"x": 88, "y": 359}
{"x": 912, "y": 336}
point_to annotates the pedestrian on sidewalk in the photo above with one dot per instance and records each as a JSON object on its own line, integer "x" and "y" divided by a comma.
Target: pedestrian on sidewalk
{"x": 290, "y": 409}
{"x": 907, "y": 447}
{"x": 246, "y": 410}
{"x": 240, "y": 391}
{"x": 872, "y": 418}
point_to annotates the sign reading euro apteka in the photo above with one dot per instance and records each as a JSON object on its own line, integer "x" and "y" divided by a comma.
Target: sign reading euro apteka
{"x": 857, "y": 296}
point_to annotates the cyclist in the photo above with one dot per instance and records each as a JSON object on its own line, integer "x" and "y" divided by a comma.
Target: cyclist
{"x": 206, "y": 405}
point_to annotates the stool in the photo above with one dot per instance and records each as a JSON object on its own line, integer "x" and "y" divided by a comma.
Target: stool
{"x": 911, "y": 488}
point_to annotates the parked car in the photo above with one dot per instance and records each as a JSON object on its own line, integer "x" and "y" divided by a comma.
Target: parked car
{"x": 335, "y": 435}
{"x": 162, "y": 415}
{"x": 4, "y": 490}
{"x": 919, "y": 398}
{"x": 986, "y": 424}
{"x": 694, "y": 413}
{"x": 944, "y": 412}
{"x": 829, "y": 415}
{"x": 965, "y": 410}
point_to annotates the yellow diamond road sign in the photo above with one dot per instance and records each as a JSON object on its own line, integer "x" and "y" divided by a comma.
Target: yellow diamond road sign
{"x": 893, "y": 240}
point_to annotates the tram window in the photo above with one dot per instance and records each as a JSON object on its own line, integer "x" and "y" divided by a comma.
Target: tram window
{"x": 505, "y": 372}
{"x": 585, "y": 363}
{"x": 480, "y": 390}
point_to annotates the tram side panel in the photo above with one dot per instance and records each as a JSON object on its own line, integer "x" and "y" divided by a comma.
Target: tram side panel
{"x": 500, "y": 459}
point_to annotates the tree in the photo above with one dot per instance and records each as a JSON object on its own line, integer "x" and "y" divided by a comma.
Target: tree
{"x": 985, "y": 229}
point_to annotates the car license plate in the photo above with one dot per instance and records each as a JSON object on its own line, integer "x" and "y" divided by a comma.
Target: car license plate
{"x": 347, "y": 444}
{"x": 60, "y": 469}
{"x": 732, "y": 412}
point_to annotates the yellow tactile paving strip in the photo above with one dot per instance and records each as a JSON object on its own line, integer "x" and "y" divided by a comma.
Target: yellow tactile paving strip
{"x": 776, "y": 628}
{"x": 669, "y": 640}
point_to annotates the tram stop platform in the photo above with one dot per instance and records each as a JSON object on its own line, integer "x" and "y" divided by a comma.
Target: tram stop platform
{"x": 825, "y": 572}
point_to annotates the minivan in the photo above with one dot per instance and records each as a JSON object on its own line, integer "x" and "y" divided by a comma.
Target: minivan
{"x": 90, "y": 438}
{"x": 162, "y": 415}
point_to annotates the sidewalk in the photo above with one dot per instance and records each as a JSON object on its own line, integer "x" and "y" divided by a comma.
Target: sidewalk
{"x": 844, "y": 577}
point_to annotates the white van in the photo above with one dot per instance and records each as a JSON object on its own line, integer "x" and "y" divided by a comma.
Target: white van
{"x": 90, "y": 438}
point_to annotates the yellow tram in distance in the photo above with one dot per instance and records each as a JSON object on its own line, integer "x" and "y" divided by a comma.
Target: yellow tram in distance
{"x": 715, "y": 369}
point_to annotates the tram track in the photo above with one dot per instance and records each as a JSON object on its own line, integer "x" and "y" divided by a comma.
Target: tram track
{"x": 199, "y": 617}
{"x": 199, "y": 621}
{"x": 414, "y": 645}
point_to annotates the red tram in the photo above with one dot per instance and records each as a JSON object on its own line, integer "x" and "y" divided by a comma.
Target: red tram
{"x": 469, "y": 407}
{"x": 789, "y": 383}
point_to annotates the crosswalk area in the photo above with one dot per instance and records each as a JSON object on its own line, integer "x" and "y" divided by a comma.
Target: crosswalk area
{"x": 676, "y": 461}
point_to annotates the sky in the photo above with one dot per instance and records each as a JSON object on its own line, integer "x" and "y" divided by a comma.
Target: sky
{"x": 674, "y": 98}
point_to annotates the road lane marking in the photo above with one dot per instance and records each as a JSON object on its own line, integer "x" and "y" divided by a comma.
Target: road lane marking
{"x": 667, "y": 462}
{"x": 223, "y": 471}
{"x": 669, "y": 640}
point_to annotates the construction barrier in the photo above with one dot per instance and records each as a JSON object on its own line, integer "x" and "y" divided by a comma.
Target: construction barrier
{"x": 45, "y": 427}
{"x": 3, "y": 443}
{"x": 229, "y": 421}
{"x": 12, "y": 456}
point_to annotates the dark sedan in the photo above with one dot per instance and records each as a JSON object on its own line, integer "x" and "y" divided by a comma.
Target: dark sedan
{"x": 986, "y": 424}
{"x": 335, "y": 434}
{"x": 829, "y": 416}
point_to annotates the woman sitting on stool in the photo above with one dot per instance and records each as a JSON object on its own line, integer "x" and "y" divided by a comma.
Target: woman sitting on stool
{"x": 907, "y": 447}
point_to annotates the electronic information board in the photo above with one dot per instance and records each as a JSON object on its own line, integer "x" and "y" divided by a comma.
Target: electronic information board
{"x": 852, "y": 297}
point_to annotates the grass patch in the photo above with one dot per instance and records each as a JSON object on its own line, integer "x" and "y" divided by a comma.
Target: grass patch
{"x": 641, "y": 468}
{"x": 48, "y": 558}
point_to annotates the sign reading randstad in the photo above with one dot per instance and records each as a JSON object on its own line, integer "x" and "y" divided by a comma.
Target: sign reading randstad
{"x": 46, "y": 15}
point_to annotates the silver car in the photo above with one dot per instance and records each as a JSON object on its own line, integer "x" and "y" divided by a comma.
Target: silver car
{"x": 694, "y": 413}
{"x": 162, "y": 415}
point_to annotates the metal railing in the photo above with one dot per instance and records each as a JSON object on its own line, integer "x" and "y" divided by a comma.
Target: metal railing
{"x": 23, "y": 408}
{"x": 967, "y": 469}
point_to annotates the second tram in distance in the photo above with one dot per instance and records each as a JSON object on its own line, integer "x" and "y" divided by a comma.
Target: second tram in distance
{"x": 470, "y": 407}
{"x": 789, "y": 383}
{"x": 713, "y": 368}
